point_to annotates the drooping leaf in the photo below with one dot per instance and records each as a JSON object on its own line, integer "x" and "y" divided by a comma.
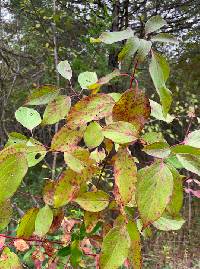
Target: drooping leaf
{"x": 133, "y": 107}
{"x": 27, "y": 223}
{"x": 165, "y": 37}
{"x": 64, "y": 69}
{"x": 156, "y": 112}
{"x": 93, "y": 107}
{"x": 115, "y": 248}
{"x": 176, "y": 201}
{"x": 105, "y": 79}
{"x": 193, "y": 139}
{"x": 9, "y": 260}
{"x": 98, "y": 155}
{"x": 190, "y": 162}
{"x": 143, "y": 49}
{"x": 159, "y": 71}
{"x": 90, "y": 220}
{"x": 28, "y": 117}
{"x": 58, "y": 216}
{"x": 66, "y": 139}
{"x": 168, "y": 223}
{"x": 158, "y": 149}
{"x": 43, "y": 221}
{"x": 13, "y": 167}
{"x": 5, "y": 214}
{"x": 112, "y": 37}
{"x": 154, "y": 24}
{"x": 42, "y": 95}
{"x": 93, "y": 201}
{"x": 154, "y": 189}
{"x": 135, "y": 252}
{"x": 87, "y": 79}
{"x": 48, "y": 192}
{"x": 145, "y": 232}
{"x": 93, "y": 135}
{"x": 121, "y": 132}
{"x": 130, "y": 48}
{"x": 56, "y": 110}
{"x": 125, "y": 172}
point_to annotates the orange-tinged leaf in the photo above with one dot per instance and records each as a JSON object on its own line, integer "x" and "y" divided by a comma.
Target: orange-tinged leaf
{"x": 133, "y": 107}
{"x": 89, "y": 108}
{"x": 66, "y": 139}
{"x": 90, "y": 220}
{"x": 58, "y": 216}
{"x": 21, "y": 245}
{"x": 9, "y": 260}
{"x": 48, "y": 192}
{"x": 125, "y": 172}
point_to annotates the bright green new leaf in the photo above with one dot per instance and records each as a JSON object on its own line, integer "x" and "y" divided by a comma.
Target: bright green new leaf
{"x": 154, "y": 190}
{"x": 93, "y": 135}
{"x": 156, "y": 112}
{"x": 125, "y": 172}
{"x": 86, "y": 79}
{"x": 64, "y": 69}
{"x": 130, "y": 48}
{"x": 93, "y": 201}
{"x": 112, "y": 37}
{"x": 165, "y": 37}
{"x": 56, "y": 110}
{"x": 9, "y": 260}
{"x": 13, "y": 167}
{"x": 133, "y": 107}
{"x": 158, "y": 149}
{"x": 115, "y": 248}
{"x": 5, "y": 214}
{"x": 167, "y": 223}
{"x": 89, "y": 108}
{"x": 176, "y": 201}
{"x": 28, "y": 117}
{"x": 135, "y": 252}
{"x": 27, "y": 223}
{"x": 154, "y": 24}
{"x": 193, "y": 139}
{"x": 43, "y": 221}
{"x": 190, "y": 162}
{"x": 121, "y": 132}
{"x": 143, "y": 49}
{"x": 66, "y": 140}
{"x": 42, "y": 95}
{"x": 159, "y": 71}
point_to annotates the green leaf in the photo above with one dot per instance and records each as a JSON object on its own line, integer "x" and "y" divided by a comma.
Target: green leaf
{"x": 158, "y": 149}
{"x": 9, "y": 260}
{"x": 76, "y": 254}
{"x": 115, "y": 248}
{"x": 98, "y": 155}
{"x": 133, "y": 107}
{"x": 16, "y": 138}
{"x": 185, "y": 149}
{"x": 156, "y": 112}
{"x": 28, "y": 117}
{"x": 90, "y": 220}
{"x": 172, "y": 160}
{"x": 64, "y": 69}
{"x": 66, "y": 139}
{"x": 86, "y": 79}
{"x": 107, "y": 78}
{"x": 193, "y": 139}
{"x": 135, "y": 252}
{"x": 154, "y": 189}
{"x": 93, "y": 135}
{"x": 27, "y": 223}
{"x": 42, "y": 95}
{"x": 176, "y": 201}
{"x": 152, "y": 137}
{"x": 143, "y": 49}
{"x": 112, "y": 37}
{"x": 56, "y": 110}
{"x": 190, "y": 162}
{"x": 43, "y": 221}
{"x": 93, "y": 201}
{"x": 121, "y": 132}
{"x": 165, "y": 37}
{"x": 159, "y": 71}
{"x": 130, "y": 48}
{"x": 125, "y": 172}
{"x": 154, "y": 24}
{"x": 89, "y": 108}
{"x": 115, "y": 95}
{"x": 5, "y": 214}
{"x": 13, "y": 167}
{"x": 167, "y": 223}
